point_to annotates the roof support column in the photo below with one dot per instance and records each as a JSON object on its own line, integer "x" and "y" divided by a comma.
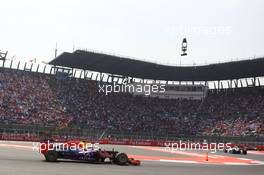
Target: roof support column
{"x": 91, "y": 76}
{"x": 74, "y": 74}
{"x": 18, "y": 65}
{"x": 12, "y": 63}
{"x": 102, "y": 78}
{"x": 228, "y": 84}
{"x": 81, "y": 74}
{"x": 215, "y": 86}
{"x": 85, "y": 74}
{"x": 50, "y": 72}
{"x": 37, "y": 68}
{"x": 3, "y": 65}
{"x": 253, "y": 82}
{"x": 241, "y": 84}
{"x": 259, "y": 82}
{"x": 108, "y": 76}
{"x": 236, "y": 83}
{"x": 31, "y": 67}
{"x": 44, "y": 69}
{"x": 247, "y": 82}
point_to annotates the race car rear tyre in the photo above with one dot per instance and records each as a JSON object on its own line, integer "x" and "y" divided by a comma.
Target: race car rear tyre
{"x": 121, "y": 159}
{"x": 51, "y": 156}
{"x": 244, "y": 152}
{"x": 100, "y": 160}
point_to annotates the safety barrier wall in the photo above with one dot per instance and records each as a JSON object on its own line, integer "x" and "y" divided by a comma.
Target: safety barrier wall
{"x": 132, "y": 142}
{"x": 115, "y": 141}
{"x": 71, "y": 133}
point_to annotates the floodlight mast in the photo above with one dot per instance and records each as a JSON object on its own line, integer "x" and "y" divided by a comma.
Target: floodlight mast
{"x": 3, "y": 55}
{"x": 184, "y": 47}
{"x": 56, "y": 50}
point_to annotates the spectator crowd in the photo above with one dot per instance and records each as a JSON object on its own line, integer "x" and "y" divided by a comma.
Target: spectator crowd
{"x": 38, "y": 99}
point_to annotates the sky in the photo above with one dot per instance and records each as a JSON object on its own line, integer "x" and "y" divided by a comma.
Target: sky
{"x": 150, "y": 30}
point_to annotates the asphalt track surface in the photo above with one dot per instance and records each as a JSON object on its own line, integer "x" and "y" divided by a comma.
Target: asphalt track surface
{"x": 17, "y": 158}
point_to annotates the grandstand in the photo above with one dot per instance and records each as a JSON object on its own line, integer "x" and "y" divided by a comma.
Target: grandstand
{"x": 65, "y": 101}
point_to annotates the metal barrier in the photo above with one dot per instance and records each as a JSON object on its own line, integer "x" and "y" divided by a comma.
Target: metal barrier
{"x": 41, "y": 132}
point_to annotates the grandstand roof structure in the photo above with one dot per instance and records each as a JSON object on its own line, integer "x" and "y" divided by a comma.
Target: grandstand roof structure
{"x": 111, "y": 64}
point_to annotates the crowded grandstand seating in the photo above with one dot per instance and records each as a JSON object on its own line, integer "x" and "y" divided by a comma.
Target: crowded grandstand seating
{"x": 38, "y": 99}
{"x": 235, "y": 112}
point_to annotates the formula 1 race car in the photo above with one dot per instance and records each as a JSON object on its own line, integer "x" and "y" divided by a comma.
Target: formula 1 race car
{"x": 236, "y": 150}
{"x": 82, "y": 151}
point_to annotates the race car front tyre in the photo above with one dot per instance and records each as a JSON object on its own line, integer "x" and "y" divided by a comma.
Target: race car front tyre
{"x": 51, "y": 156}
{"x": 244, "y": 152}
{"x": 121, "y": 159}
